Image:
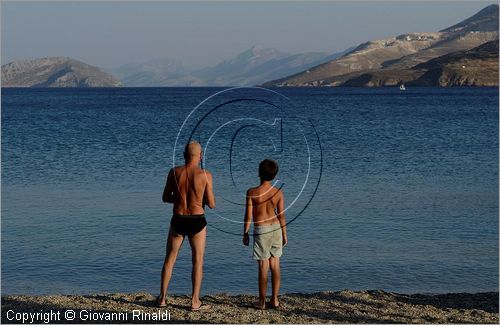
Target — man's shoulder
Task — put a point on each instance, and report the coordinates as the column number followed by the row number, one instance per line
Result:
column 182, row 167
column 176, row 169
column 204, row 172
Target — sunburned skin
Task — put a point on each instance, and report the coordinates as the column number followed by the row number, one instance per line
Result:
column 266, row 203
column 265, row 207
column 190, row 189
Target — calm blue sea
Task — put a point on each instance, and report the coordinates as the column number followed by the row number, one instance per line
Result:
column 386, row 189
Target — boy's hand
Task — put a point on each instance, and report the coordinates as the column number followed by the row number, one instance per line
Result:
column 246, row 239
column 285, row 241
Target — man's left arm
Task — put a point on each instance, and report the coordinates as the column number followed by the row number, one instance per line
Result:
column 208, row 195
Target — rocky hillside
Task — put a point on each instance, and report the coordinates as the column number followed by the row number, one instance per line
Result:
column 485, row 20
column 381, row 59
column 55, row 72
column 475, row 67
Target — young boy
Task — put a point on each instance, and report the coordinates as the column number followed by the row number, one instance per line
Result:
column 265, row 204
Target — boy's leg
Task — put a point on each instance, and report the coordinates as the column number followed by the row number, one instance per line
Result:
column 174, row 243
column 198, row 252
column 274, row 264
column 263, row 269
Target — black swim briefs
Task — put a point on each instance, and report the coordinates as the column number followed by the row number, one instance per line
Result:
column 188, row 225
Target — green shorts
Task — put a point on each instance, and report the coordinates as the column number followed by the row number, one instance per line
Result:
column 267, row 242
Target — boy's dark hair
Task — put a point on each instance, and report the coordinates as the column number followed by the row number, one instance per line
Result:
column 268, row 169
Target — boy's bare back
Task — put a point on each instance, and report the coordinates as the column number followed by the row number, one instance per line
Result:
column 266, row 203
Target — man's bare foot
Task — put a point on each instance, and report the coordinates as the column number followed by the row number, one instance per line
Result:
column 195, row 303
column 160, row 301
column 261, row 304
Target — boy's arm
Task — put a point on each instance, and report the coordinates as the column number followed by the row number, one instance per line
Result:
column 208, row 196
column 168, row 191
column 281, row 217
column 247, row 220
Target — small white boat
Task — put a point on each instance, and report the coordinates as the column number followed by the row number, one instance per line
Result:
column 402, row 87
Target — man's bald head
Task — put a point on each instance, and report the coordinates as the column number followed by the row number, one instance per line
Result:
column 193, row 150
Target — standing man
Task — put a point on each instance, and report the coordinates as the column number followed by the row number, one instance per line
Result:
column 189, row 188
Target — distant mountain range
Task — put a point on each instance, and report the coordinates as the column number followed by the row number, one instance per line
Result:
column 465, row 54
column 55, row 72
column 253, row 66
column 155, row 73
column 410, row 57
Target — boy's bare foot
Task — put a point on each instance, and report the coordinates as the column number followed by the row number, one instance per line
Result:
column 259, row 306
column 199, row 305
column 274, row 306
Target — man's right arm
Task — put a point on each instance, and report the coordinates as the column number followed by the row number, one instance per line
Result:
column 168, row 191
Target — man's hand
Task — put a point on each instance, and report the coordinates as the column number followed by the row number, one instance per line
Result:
column 285, row 240
column 246, row 239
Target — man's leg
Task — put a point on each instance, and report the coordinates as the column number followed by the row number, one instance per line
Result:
column 174, row 243
column 263, row 269
column 197, row 243
column 274, row 264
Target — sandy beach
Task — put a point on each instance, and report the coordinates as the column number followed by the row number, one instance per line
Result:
column 373, row 306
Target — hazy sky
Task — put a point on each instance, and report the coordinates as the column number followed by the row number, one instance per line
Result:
column 109, row 34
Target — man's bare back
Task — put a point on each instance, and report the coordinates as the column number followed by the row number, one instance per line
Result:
column 189, row 188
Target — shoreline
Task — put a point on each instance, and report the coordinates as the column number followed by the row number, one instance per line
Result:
column 346, row 306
